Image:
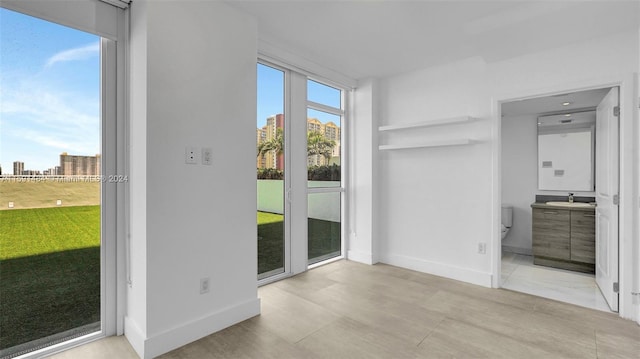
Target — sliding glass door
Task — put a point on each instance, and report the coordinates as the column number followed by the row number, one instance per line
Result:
column 324, row 185
column 59, row 176
column 298, row 159
column 271, row 171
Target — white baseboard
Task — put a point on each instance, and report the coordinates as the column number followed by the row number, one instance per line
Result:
column 361, row 257
column 174, row 338
column 134, row 335
column 439, row 269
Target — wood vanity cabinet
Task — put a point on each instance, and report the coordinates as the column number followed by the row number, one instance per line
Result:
column 564, row 238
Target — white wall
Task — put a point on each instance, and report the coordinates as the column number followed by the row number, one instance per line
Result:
column 519, row 177
column 437, row 204
column 193, row 84
column 363, row 192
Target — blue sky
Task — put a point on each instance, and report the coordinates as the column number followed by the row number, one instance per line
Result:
column 271, row 96
column 49, row 92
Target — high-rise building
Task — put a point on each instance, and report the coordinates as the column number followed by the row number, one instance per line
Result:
column 273, row 159
column 261, row 137
column 329, row 131
column 269, row 132
column 18, row 168
column 79, row 165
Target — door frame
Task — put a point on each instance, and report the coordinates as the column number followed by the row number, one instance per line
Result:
column 628, row 210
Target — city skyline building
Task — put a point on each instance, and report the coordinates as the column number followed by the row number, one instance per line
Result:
column 329, row 131
column 72, row 165
column 18, row 168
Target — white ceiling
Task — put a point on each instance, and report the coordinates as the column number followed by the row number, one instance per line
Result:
column 378, row 38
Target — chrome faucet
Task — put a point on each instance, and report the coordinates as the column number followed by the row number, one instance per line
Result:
column 570, row 197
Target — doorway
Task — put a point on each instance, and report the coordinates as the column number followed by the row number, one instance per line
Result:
column 522, row 185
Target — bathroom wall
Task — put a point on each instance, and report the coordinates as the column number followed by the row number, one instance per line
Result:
column 519, row 178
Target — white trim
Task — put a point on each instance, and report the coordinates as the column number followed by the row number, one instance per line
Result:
column 326, row 261
column 93, row 16
column 439, row 269
column 303, row 66
column 324, row 189
column 273, row 278
column 360, row 257
column 64, row 346
column 324, row 108
column 168, row 340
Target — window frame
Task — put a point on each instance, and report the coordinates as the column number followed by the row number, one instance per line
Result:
column 110, row 23
column 296, row 194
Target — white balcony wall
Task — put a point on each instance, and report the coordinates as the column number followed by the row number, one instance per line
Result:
column 321, row 206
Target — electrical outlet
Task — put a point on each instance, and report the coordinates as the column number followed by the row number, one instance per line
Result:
column 482, row 248
column 207, row 156
column 204, row 285
column 190, row 155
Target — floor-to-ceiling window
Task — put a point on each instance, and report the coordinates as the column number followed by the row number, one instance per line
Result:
column 58, row 177
column 270, row 164
column 316, row 113
column 324, row 155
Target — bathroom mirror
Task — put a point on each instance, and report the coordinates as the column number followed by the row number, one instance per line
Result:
column 566, row 152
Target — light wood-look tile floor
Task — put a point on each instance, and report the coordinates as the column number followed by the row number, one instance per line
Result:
column 351, row 310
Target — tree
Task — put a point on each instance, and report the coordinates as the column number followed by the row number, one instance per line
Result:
column 317, row 144
column 275, row 144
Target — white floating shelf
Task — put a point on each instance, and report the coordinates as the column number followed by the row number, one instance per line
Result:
column 454, row 142
column 439, row 122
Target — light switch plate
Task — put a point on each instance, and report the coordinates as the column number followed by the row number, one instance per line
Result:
column 207, row 156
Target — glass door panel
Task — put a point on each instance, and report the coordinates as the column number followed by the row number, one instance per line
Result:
column 50, row 184
column 324, row 178
column 323, row 149
column 270, row 164
column 324, row 227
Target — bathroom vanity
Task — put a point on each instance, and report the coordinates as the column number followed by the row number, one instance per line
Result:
column 564, row 236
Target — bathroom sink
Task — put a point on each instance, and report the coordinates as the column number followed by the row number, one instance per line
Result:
column 573, row 204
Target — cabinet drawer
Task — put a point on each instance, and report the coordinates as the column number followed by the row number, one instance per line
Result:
column 583, row 237
column 553, row 215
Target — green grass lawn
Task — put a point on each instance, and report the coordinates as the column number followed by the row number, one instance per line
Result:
column 49, row 272
column 324, row 239
column 50, row 266
column 28, row 232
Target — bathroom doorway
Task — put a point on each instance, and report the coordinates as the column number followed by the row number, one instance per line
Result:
column 528, row 128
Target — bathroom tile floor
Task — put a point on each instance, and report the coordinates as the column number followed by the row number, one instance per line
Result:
column 521, row 275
